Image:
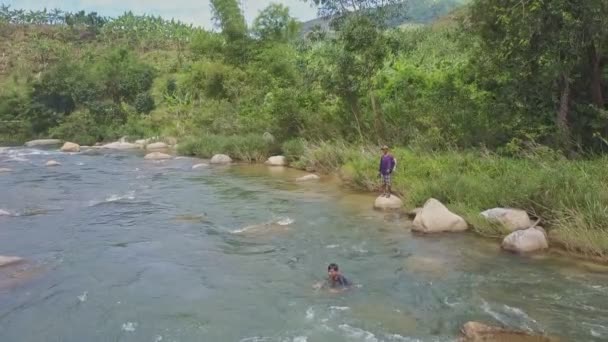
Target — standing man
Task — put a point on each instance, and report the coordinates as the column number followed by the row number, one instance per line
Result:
column 387, row 166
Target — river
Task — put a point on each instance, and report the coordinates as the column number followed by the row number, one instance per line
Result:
column 122, row 249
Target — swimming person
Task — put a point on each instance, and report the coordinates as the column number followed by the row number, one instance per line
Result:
column 335, row 280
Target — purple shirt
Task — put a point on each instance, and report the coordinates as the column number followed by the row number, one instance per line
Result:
column 387, row 164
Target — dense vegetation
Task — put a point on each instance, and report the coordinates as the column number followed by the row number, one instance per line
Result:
column 475, row 93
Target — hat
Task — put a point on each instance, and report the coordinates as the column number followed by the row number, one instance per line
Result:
column 384, row 147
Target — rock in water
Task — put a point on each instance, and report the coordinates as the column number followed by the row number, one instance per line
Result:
column 8, row 260
column 199, row 166
column 120, row 145
column 308, row 178
column 384, row 203
column 436, row 218
column 157, row 146
column 479, row 332
column 157, row 156
column 525, row 241
column 70, row 147
column 511, row 219
column 52, row 163
column 4, row 213
column 4, row 169
column 43, row 142
column 220, row 159
column 276, row 161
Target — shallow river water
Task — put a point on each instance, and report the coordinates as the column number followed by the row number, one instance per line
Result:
column 122, row 249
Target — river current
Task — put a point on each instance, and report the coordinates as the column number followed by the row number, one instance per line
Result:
column 118, row 248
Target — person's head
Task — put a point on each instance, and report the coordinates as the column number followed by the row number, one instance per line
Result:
column 384, row 149
column 333, row 271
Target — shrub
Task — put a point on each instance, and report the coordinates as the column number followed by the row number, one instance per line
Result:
column 248, row 148
column 144, row 103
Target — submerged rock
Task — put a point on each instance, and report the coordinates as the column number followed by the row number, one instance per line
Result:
column 157, row 156
column 70, row 147
column 52, row 163
column 199, row 166
column 436, row 218
column 276, row 161
column 307, row 178
column 220, row 159
column 511, row 219
column 157, row 146
column 478, row 332
column 43, row 142
column 384, row 203
column 9, row 260
column 525, row 241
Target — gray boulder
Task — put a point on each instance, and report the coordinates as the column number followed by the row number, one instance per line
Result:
column 434, row 217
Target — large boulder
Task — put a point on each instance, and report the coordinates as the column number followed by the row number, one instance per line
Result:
column 220, row 159
column 385, row 203
column 52, row 163
column 307, row 178
column 157, row 146
column 526, row 241
column 157, row 156
column 9, row 260
column 121, row 145
column 70, row 147
column 511, row 219
column 479, row 332
column 43, row 143
column 276, row 161
column 434, row 217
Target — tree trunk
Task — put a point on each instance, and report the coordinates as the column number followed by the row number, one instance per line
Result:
column 354, row 106
column 596, row 77
column 564, row 108
column 378, row 119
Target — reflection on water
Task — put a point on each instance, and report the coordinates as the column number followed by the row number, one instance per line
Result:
column 119, row 249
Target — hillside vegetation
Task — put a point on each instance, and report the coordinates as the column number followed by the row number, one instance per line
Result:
column 492, row 104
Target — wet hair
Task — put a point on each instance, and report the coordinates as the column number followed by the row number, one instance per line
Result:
column 333, row 267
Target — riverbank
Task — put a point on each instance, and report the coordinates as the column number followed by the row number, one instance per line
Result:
column 570, row 197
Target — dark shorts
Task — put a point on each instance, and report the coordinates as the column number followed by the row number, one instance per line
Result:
column 386, row 179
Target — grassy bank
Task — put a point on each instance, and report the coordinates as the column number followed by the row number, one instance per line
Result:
column 571, row 197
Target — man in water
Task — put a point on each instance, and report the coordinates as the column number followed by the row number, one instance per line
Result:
column 387, row 166
column 335, row 280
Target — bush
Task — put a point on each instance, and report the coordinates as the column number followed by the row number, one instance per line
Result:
column 293, row 149
column 144, row 103
column 79, row 127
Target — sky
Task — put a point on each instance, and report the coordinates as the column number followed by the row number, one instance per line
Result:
column 197, row 12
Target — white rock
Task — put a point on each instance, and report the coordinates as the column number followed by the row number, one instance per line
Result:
column 5, row 213
column 157, row 146
column 8, row 260
column 392, row 202
column 511, row 219
column 199, row 166
column 277, row 161
column 70, row 147
column 436, row 218
column 220, row 159
column 157, row 156
column 52, row 163
column 121, row 145
column 306, row 178
column 43, row 142
column 4, row 169
column 525, row 241
column 143, row 142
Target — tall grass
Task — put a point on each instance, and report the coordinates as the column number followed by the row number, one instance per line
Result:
column 248, row 148
column 570, row 197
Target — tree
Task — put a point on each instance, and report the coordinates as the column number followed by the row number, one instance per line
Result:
column 229, row 18
column 545, row 48
column 380, row 10
column 275, row 23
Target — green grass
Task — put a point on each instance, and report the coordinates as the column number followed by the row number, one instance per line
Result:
column 248, row 148
column 570, row 197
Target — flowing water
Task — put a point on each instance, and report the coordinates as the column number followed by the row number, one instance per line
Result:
column 122, row 249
